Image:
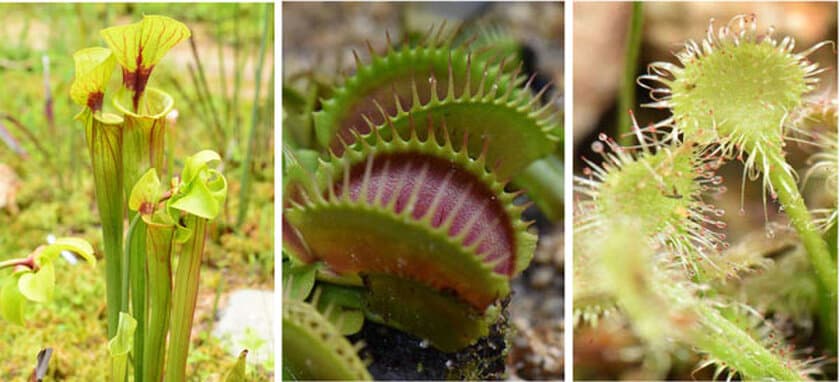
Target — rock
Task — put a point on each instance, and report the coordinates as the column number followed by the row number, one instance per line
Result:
column 9, row 186
column 246, row 323
column 542, row 277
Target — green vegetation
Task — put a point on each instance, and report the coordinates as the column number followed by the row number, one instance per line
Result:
column 62, row 187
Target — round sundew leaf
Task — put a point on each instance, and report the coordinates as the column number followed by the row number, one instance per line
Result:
column 12, row 302
column 38, row 286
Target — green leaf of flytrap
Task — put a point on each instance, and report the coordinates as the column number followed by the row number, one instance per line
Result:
column 440, row 82
column 418, row 209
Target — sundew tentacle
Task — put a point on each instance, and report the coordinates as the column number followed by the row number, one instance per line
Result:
column 663, row 187
column 737, row 90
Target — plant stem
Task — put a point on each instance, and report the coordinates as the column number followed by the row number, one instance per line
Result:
column 184, row 295
column 543, row 180
column 800, row 218
column 136, row 254
column 26, row 262
column 727, row 342
column 159, row 241
column 245, row 192
column 105, row 141
column 627, row 92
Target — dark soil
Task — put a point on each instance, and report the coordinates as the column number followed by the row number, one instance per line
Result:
column 396, row 355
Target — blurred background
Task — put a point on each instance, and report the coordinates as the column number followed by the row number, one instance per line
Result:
column 318, row 40
column 46, row 185
column 611, row 351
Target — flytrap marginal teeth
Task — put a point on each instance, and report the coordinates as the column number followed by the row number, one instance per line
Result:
column 465, row 231
column 471, row 95
column 315, row 349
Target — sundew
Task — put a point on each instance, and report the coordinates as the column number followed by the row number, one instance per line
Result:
column 736, row 92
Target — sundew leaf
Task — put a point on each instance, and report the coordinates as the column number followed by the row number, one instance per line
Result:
column 11, row 302
column 138, row 47
column 94, row 67
column 38, row 286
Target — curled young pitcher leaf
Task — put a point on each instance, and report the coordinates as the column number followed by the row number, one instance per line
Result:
column 314, row 349
column 94, row 67
column 202, row 190
column 138, row 47
column 418, row 209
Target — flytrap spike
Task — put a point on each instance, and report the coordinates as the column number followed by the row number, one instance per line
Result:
column 419, row 186
column 415, row 211
column 315, row 349
column 438, row 81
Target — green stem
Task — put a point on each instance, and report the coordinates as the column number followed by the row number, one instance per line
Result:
column 159, row 242
column 26, row 262
column 543, row 180
column 727, row 342
column 651, row 299
column 105, row 142
column 245, row 192
column 791, row 200
column 185, row 293
column 627, row 92
column 136, row 254
column 143, row 135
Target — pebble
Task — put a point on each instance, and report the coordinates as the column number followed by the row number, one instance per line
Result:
column 542, row 277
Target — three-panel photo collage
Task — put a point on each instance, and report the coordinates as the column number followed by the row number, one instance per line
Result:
column 283, row 191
